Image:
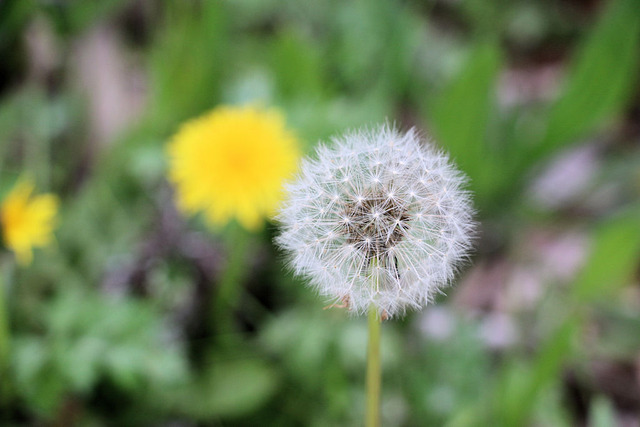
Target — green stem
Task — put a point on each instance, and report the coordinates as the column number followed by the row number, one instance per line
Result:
column 5, row 342
column 373, row 370
column 229, row 289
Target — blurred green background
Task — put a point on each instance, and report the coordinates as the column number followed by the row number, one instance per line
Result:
column 537, row 101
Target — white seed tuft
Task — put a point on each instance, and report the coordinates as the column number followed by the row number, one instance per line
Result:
column 380, row 219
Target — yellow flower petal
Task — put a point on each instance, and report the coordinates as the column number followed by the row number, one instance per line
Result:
column 231, row 163
column 27, row 221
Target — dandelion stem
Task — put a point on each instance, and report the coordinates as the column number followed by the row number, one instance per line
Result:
column 373, row 370
column 5, row 341
column 230, row 284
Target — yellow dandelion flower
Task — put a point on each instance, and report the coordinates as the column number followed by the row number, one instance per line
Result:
column 27, row 221
column 231, row 163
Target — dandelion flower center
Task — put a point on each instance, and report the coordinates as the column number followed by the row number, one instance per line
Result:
column 376, row 223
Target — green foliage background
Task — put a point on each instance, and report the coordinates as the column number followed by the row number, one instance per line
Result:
column 114, row 325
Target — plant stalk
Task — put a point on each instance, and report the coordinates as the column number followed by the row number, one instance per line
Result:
column 5, row 342
column 373, row 383
column 229, row 291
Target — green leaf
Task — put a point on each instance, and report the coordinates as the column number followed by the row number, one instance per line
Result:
column 13, row 16
column 521, row 391
column 602, row 77
column 468, row 416
column 82, row 360
column 614, row 257
column 188, row 62
column 38, row 379
column 613, row 260
column 230, row 388
column 125, row 366
column 460, row 116
column 297, row 66
column 78, row 15
column 602, row 413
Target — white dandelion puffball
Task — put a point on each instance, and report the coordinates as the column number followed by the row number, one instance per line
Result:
column 378, row 219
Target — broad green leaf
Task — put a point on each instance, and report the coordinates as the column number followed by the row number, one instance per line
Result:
column 38, row 380
column 518, row 398
column 230, row 388
column 13, row 16
column 602, row 413
column 188, row 62
column 614, row 257
column 125, row 365
column 467, row 417
column 83, row 358
column 460, row 115
column 602, row 77
column 79, row 15
column 297, row 66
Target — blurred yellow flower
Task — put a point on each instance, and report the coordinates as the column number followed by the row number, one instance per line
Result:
column 27, row 221
column 231, row 163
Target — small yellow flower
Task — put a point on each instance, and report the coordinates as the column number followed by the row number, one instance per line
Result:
column 27, row 221
column 231, row 163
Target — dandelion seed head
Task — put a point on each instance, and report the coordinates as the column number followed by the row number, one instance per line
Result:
column 386, row 211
